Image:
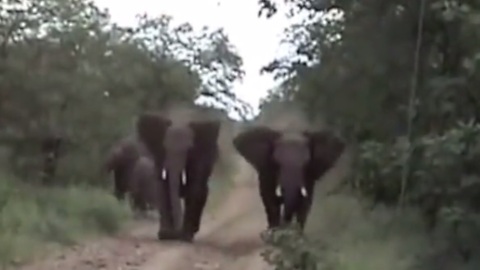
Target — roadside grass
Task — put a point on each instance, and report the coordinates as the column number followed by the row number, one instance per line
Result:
column 354, row 237
column 342, row 233
column 33, row 220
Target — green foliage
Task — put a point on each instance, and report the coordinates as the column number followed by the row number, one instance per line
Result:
column 444, row 180
column 292, row 250
column 344, row 234
column 67, row 71
column 33, row 219
column 441, row 166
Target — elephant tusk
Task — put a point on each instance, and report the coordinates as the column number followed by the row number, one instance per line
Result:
column 184, row 178
column 278, row 191
column 303, row 190
column 164, row 174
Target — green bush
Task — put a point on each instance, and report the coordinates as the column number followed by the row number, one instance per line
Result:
column 441, row 167
column 443, row 175
column 343, row 233
column 32, row 218
column 443, row 182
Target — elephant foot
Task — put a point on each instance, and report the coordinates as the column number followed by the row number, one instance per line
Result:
column 167, row 235
column 173, row 235
column 187, row 237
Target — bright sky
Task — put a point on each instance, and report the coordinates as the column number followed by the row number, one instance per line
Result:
column 257, row 39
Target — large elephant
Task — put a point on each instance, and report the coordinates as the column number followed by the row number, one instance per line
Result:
column 288, row 165
column 134, row 173
column 185, row 154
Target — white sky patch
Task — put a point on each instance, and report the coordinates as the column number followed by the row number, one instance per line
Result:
column 256, row 39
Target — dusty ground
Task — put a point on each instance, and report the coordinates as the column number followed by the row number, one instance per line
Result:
column 229, row 239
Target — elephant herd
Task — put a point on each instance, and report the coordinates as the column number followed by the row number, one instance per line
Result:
column 168, row 163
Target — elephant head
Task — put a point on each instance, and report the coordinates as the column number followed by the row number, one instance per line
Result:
column 288, row 163
column 176, row 149
column 124, row 153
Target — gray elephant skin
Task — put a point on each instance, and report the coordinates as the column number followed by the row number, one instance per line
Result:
column 185, row 154
column 288, row 165
column 134, row 173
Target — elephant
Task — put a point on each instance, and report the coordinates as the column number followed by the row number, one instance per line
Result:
column 143, row 184
column 185, row 154
column 288, row 164
column 134, row 173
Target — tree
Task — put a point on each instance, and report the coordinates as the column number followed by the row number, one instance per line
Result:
column 358, row 67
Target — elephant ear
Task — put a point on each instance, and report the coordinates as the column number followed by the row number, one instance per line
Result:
column 151, row 129
column 326, row 148
column 205, row 135
column 256, row 146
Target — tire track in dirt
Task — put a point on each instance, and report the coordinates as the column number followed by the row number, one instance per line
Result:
column 229, row 239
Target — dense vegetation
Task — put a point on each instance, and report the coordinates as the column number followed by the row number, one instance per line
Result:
column 399, row 80
column 71, row 84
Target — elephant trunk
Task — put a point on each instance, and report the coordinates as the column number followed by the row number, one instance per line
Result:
column 175, row 175
column 292, row 192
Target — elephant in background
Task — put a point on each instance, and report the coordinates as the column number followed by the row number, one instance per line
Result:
column 185, row 153
column 288, row 165
column 143, row 185
column 134, row 173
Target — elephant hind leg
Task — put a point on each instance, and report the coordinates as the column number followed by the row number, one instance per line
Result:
column 120, row 188
column 139, row 203
column 139, row 208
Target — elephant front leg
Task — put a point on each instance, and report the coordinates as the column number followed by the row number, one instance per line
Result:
column 304, row 210
column 195, row 200
column 165, row 231
column 271, row 203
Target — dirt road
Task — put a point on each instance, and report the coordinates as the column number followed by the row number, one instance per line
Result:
column 228, row 240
